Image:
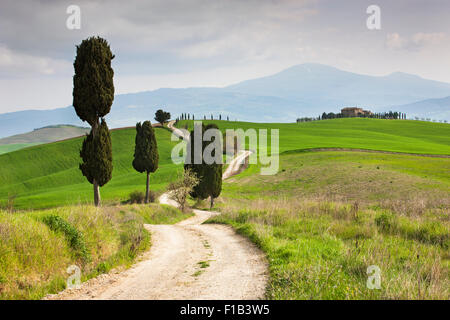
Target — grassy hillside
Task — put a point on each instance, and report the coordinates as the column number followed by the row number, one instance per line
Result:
column 327, row 216
column 15, row 146
column 357, row 133
column 41, row 135
column 37, row 247
column 48, row 175
column 322, row 219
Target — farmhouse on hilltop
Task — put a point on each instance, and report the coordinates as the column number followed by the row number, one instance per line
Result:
column 355, row 112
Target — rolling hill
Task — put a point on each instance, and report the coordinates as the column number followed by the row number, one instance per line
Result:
column 302, row 90
column 407, row 136
column 41, row 135
column 48, row 175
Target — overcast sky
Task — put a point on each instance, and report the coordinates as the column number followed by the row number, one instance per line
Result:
column 184, row 43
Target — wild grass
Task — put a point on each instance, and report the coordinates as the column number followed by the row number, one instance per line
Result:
column 37, row 247
column 321, row 250
column 404, row 184
column 325, row 217
column 158, row 213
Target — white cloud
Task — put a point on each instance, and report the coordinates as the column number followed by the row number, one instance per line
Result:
column 416, row 42
column 16, row 63
column 424, row 39
column 395, row 41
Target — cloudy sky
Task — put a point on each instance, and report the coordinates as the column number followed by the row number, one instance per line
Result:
column 184, row 43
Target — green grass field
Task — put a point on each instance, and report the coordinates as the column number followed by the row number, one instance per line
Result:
column 47, row 175
column 35, row 253
column 357, row 133
column 15, row 146
column 327, row 216
column 322, row 219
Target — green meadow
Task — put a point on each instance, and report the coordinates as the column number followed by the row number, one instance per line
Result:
column 327, row 216
column 322, row 220
column 356, row 133
column 47, row 175
column 36, row 247
column 14, row 146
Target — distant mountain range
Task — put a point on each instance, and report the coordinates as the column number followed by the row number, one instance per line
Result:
column 438, row 109
column 302, row 90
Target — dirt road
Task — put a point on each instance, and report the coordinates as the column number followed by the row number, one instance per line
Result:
column 188, row 260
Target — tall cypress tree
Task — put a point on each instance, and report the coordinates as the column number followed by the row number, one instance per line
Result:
column 213, row 173
column 145, row 152
column 209, row 175
column 96, row 153
column 93, row 95
column 196, row 168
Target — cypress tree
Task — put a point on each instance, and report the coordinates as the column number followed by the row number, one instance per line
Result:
column 209, row 175
column 93, row 95
column 145, row 152
column 96, row 153
column 212, row 174
column 195, row 168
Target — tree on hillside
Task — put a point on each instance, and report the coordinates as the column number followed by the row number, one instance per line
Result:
column 145, row 152
column 180, row 189
column 162, row 116
column 93, row 95
column 195, row 168
column 209, row 175
column 96, row 153
column 213, row 173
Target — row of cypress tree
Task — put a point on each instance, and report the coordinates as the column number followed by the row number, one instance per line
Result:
column 93, row 95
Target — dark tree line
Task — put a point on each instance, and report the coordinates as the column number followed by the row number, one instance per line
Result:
column 188, row 116
column 332, row 115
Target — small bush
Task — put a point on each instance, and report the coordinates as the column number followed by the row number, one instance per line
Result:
column 386, row 222
column 137, row 197
column 73, row 236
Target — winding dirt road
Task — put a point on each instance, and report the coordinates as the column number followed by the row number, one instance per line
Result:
column 188, row 260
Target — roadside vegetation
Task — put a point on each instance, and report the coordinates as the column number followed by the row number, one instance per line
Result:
column 37, row 247
column 327, row 216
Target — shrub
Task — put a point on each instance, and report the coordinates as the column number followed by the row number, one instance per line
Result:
column 74, row 237
column 137, row 197
column 386, row 222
